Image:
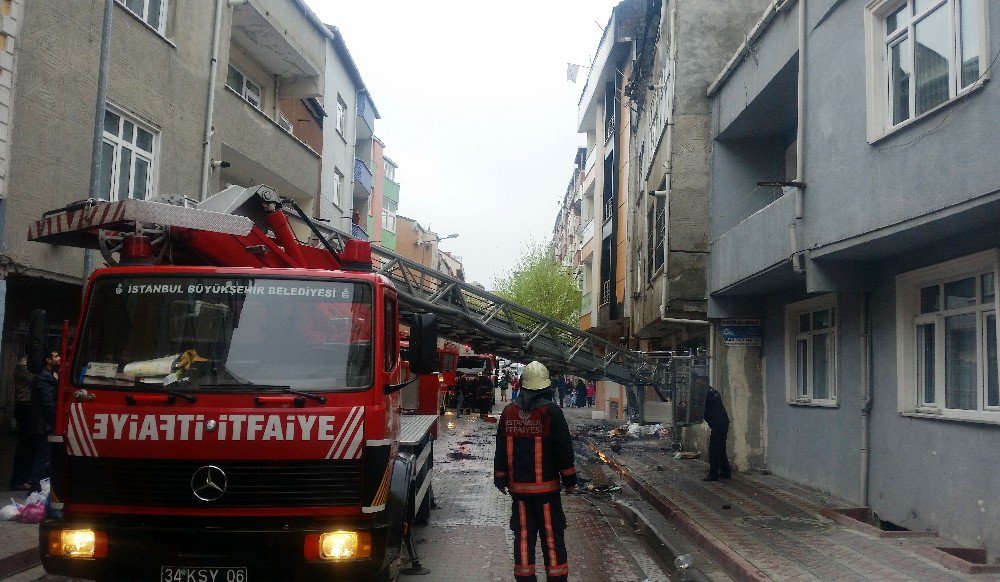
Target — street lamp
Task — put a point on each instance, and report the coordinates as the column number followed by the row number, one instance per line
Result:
column 436, row 239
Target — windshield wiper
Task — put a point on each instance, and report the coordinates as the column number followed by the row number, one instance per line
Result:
column 191, row 398
column 283, row 389
column 309, row 395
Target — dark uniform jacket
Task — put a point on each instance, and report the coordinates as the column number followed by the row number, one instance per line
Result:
column 715, row 412
column 43, row 402
column 534, row 447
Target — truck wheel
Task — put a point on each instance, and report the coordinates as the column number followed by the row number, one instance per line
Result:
column 424, row 511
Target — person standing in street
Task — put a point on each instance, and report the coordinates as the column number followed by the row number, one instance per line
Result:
column 534, row 461
column 591, row 393
column 44, row 388
column 20, row 476
column 504, row 382
column 718, row 421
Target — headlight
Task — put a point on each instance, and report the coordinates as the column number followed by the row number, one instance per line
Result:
column 78, row 543
column 338, row 545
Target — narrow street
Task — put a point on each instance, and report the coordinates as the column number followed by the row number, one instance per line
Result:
column 468, row 537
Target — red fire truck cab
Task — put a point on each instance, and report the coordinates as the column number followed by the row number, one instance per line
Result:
column 234, row 415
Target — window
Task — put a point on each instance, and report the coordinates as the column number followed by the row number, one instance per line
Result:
column 947, row 334
column 126, row 158
column 338, row 188
column 922, row 54
column 390, row 172
column 341, row 115
column 152, row 12
column 389, row 215
column 811, row 351
column 247, row 89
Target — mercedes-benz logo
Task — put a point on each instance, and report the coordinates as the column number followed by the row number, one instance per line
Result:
column 208, row 483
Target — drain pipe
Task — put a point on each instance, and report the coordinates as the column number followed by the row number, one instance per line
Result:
column 213, row 68
column 866, row 396
column 798, row 262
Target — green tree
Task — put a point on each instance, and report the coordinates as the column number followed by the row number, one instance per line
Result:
column 539, row 283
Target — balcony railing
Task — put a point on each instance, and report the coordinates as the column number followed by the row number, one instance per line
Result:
column 358, row 232
column 362, row 177
column 605, row 292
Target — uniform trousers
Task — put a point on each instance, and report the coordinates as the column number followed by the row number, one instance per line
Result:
column 718, row 460
column 532, row 517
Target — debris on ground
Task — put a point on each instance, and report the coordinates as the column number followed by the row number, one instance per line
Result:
column 687, row 455
column 488, row 418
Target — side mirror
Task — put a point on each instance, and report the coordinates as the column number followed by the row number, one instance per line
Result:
column 37, row 331
column 423, row 344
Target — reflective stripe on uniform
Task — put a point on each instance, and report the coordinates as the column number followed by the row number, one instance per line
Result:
column 544, row 487
column 550, row 539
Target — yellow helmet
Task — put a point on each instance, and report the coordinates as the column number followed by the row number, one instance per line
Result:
column 535, row 377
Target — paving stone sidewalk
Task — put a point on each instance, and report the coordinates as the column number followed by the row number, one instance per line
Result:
column 18, row 541
column 760, row 527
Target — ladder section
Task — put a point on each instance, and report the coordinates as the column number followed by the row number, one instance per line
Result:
column 489, row 323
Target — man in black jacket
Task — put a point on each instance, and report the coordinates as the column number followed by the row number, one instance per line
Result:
column 534, row 454
column 718, row 421
column 44, row 389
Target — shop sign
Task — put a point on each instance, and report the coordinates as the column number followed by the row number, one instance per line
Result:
column 740, row 332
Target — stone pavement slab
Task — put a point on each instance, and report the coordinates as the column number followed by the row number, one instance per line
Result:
column 760, row 527
column 18, row 541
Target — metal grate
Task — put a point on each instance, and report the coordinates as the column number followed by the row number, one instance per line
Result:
column 149, row 482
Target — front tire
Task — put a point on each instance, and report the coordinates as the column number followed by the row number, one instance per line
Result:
column 423, row 513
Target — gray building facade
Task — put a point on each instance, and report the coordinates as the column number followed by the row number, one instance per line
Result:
column 168, row 129
column 854, row 212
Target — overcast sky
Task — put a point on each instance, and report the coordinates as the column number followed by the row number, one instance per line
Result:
column 476, row 110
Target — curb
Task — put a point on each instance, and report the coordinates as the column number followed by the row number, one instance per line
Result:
column 729, row 560
column 19, row 562
column 694, row 575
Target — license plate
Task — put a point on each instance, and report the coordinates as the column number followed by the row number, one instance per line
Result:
column 195, row 574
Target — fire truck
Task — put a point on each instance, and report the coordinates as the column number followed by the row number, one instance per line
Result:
column 229, row 405
column 229, row 408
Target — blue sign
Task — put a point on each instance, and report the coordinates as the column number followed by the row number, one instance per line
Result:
column 740, row 332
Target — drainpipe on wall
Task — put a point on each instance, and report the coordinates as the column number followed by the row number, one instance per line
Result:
column 213, row 68
column 866, row 396
column 98, row 143
column 798, row 257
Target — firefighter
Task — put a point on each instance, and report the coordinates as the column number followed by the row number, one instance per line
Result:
column 534, row 454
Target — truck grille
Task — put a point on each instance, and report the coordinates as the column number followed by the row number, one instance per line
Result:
column 167, row 483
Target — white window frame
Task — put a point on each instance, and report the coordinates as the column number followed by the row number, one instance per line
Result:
column 244, row 90
column 160, row 27
column 341, row 119
column 118, row 141
column 878, row 64
column 911, row 401
column 792, row 338
column 389, row 216
column 338, row 189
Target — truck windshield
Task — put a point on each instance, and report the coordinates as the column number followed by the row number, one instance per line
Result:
column 470, row 363
column 227, row 333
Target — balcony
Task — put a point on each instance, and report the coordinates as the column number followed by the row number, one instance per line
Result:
column 261, row 152
column 297, row 58
column 362, row 180
column 366, row 116
column 746, row 252
column 358, row 232
column 587, row 232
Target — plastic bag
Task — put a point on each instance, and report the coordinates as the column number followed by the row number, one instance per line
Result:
column 46, row 487
column 32, row 513
column 10, row 512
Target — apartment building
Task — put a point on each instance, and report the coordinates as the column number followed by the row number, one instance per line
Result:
column 604, row 118
column 384, row 200
column 855, row 211
column 680, row 47
column 420, row 245
column 176, row 124
column 348, row 162
column 567, row 230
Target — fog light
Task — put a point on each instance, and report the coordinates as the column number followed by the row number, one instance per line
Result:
column 338, row 545
column 78, row 543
